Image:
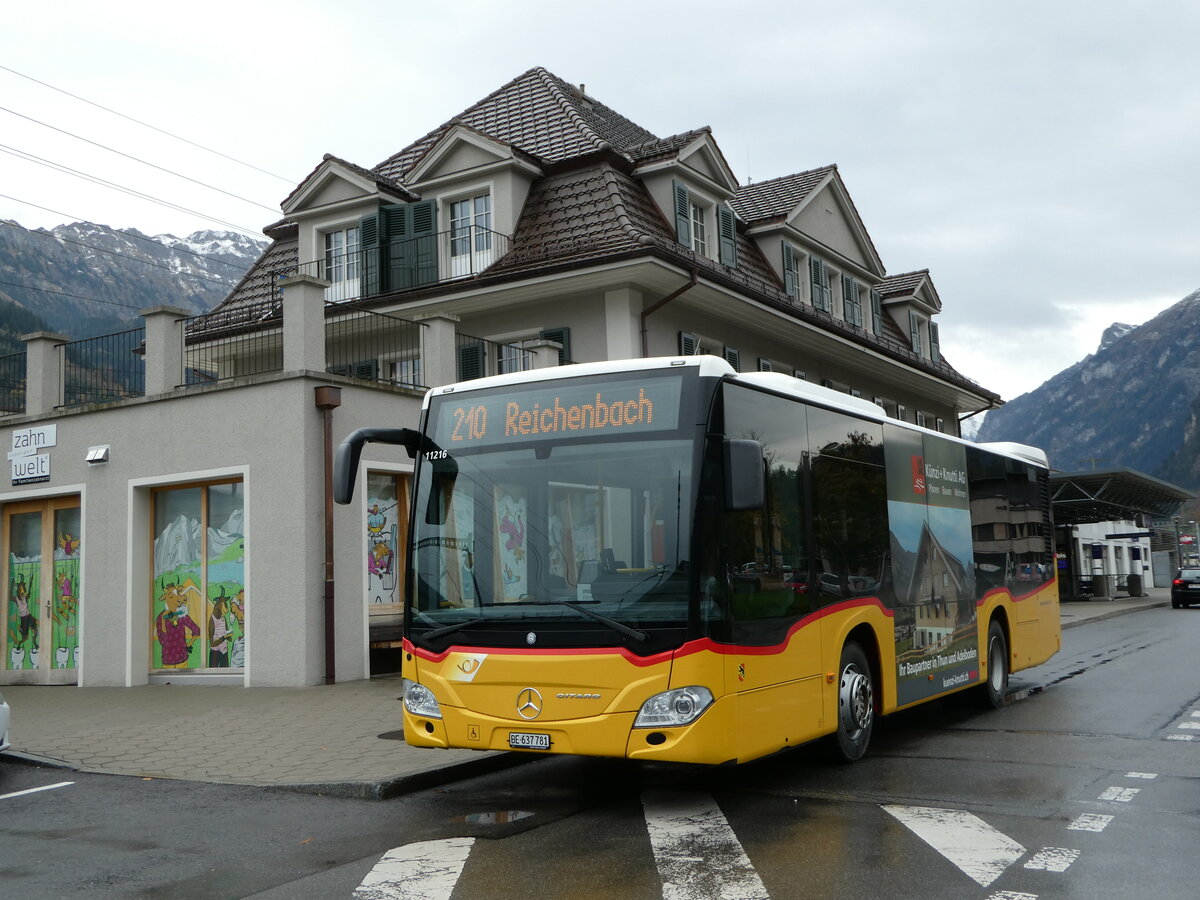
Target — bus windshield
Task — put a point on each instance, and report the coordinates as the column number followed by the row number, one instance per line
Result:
column 552, row 543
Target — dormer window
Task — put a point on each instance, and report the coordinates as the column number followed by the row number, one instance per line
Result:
column 699, row 232
column 470, row 235
column 691, row 225
column 342, row 264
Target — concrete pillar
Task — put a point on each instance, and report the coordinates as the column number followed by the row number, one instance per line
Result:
column 164, row 348
column 545, row 353
column 303, row 322
column 439, row 362
column 622, row 323
column 43, row 372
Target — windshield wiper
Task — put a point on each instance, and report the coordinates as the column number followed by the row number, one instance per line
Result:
column 619, row 627
column 449, row 629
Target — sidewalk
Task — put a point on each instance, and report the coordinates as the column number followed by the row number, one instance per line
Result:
column 340, row 739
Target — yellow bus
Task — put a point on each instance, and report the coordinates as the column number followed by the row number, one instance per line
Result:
column 665, row 559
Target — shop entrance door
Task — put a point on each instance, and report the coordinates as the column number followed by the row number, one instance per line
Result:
column 41, row 592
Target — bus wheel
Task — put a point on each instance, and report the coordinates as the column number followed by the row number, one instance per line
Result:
column 856, row 704
column 994, row 690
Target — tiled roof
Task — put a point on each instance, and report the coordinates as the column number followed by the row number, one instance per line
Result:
column 381, row 181
column 259, row 284
column 903, row 284
column 660, row 148
column 778, row 197
column 538, row 113
column 580, row 215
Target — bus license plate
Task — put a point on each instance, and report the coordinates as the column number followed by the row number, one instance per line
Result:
column 525, row 741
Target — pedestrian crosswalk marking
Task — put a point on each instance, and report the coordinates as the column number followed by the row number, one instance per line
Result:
column 697, row 853
column 973, row 845
column 428, row 870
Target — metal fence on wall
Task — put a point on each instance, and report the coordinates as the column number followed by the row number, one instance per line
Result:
column 12, row 384
column 373, row 346
column 238, row 341
column 104, row 369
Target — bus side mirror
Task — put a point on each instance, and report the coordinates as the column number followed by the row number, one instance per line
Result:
column 745, row 475
column 349, row 451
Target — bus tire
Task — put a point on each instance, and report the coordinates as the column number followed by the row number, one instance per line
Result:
column 856, row 704
column 993, row 691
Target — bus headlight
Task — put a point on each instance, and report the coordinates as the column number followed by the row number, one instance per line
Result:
column 681, row 706
column 419, row 700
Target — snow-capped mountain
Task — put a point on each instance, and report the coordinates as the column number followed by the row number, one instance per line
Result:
column 1133, row 403
column 85, row 279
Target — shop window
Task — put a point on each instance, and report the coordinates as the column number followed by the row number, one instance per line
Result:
column 386, row 533
column 198, row 602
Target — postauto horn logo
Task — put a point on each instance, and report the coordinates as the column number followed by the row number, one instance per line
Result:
column 918, row 473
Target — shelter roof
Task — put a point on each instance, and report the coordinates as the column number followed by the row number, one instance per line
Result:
column 1112, row 494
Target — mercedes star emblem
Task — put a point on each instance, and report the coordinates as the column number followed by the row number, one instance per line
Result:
column 529, row 704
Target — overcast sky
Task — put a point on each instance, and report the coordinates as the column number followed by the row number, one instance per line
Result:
column 1039, row 158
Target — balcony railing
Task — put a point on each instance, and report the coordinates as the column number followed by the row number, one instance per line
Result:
column 403, row 265
column 373, row 346
column 478, row 358
column 12, row 384
column 231, row 343
column 104, row 369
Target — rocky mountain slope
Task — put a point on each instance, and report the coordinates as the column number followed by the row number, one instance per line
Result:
column 1135, row 402
column 84, row 279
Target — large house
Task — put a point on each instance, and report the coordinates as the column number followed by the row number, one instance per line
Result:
column 167, row 517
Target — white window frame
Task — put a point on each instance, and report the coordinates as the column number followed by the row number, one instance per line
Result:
column 698, row 216
column 470, row 243
column 341, row 262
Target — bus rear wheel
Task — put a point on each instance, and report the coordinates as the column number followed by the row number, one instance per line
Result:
column 856, row 704
column 993, row 691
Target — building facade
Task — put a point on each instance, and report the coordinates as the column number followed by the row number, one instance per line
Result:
column 166, row 517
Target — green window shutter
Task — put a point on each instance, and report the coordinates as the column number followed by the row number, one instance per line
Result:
column 935, row 343
column 471, row 361
column 683, row 214
column 764, row 365
column 371, row 242
column 560, row 336
column 789, row 270
column 914, row 331
column 393, row 235
column 727, row 232
column 688, row 344
column 819, row 275
column 410, row 233
column 424, row 236
column 734, row 358
column 850, row 301
column 876, row 312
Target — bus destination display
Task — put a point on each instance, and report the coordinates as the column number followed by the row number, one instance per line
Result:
column 558, row 411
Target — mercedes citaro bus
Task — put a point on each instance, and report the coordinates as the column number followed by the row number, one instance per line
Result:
column 664, row 559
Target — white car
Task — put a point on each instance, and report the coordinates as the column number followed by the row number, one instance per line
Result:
column 3, row 723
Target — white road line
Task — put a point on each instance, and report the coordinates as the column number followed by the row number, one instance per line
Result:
column 1180, row 737
column 963, row 838
column 1195, row 713
column 47, row 787
column 427, row 870
column 1053, row 859
column 1149, row 776
column 697, row 854
column 1090, row 822
column 1120, row 794
column 1189, row 726
column 1011, row 895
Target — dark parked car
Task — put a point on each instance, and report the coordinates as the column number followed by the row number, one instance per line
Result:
column 1185, row 589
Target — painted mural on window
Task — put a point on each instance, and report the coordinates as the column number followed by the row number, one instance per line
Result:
column 383, row 513
column 198, row 592
column 64, row 608
column 24, row 638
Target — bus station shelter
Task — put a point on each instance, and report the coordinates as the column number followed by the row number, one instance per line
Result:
column 1131, row 501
